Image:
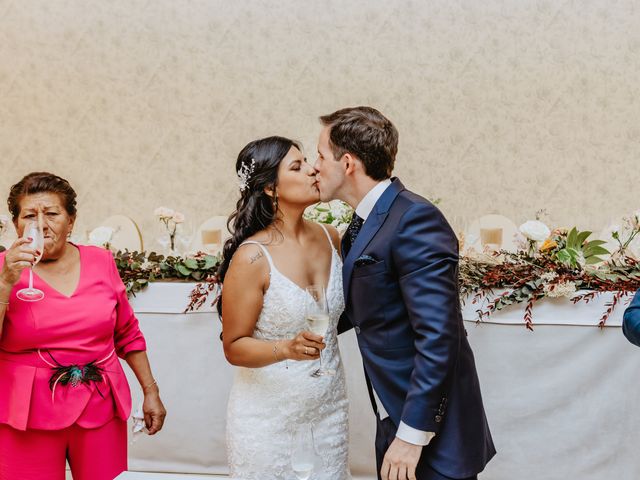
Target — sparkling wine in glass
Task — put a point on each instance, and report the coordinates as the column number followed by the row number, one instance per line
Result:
column 32, row 230
column 317, row 315
column 303, row 455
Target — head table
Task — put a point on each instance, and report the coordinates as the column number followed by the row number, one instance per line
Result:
column 561, row 400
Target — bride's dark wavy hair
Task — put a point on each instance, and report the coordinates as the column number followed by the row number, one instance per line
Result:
column 255, row 210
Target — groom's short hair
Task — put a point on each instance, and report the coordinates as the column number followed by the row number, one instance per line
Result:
column 367, row 134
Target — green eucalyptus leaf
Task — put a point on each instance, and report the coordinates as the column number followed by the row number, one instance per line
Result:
column 182, row 269
column 191, row 263
column 198, row 275
column 209, row 262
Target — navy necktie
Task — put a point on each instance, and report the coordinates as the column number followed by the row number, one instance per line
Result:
column 352, row 232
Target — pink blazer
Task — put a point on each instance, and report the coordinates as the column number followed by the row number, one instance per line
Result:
column 94, row 323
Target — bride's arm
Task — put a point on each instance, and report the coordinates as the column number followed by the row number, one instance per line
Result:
column 242, row 295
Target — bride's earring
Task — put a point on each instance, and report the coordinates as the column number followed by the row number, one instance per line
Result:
column 275, row 202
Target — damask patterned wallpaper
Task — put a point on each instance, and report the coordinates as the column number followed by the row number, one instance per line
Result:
column 503, row 106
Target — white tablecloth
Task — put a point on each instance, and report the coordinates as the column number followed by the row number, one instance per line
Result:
column 194, row 377
column 560, row 400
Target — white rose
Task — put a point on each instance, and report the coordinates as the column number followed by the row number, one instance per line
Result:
column 100, row 236
column 535, row 230
column 177, row 217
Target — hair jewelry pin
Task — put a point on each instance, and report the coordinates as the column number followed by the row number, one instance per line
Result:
column 244, row 174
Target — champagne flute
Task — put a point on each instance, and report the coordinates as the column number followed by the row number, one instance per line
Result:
column 317, row 315
column 303, row 456
column 32, row 230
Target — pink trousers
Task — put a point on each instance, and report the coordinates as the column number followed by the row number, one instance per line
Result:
column 93, row 454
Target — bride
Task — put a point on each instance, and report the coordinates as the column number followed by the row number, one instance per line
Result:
column 276, row 254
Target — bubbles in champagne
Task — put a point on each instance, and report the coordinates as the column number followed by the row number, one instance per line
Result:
column 318, row 323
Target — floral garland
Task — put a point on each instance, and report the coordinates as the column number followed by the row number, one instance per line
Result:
column 138, row 269
column 552, row 264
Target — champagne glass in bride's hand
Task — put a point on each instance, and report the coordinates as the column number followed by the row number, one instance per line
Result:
column 304, row 459
column 32, row 230
column 317, row 314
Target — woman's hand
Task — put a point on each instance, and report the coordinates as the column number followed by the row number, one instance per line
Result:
column 305, row 346
column 153, row 409
column 18, row 257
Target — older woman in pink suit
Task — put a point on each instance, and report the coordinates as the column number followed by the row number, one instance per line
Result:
column 63, row 393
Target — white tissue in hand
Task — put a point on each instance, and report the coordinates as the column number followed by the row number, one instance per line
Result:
column 138, row 426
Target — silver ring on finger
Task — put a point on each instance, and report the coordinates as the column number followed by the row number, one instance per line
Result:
column 306, row 352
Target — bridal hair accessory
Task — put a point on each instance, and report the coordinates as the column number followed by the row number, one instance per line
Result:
column 244, row 174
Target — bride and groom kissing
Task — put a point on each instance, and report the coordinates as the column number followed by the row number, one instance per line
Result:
column 392, row 277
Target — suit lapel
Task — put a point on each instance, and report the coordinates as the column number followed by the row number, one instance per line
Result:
column 369, row 229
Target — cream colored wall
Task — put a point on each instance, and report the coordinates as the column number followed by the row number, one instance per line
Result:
column 502, row 106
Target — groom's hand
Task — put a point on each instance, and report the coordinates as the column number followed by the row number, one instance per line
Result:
column 400, row 461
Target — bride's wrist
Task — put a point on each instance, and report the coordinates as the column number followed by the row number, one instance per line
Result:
column 281, row 350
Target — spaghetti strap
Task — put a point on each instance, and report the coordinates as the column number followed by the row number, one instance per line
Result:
column 328, row 236
column 264, row 249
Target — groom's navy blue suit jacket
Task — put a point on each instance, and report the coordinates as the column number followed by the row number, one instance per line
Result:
column 401, row 290
column 631, row 322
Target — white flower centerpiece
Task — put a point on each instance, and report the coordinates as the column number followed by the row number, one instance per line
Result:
column 534, row 231
column 171, row 219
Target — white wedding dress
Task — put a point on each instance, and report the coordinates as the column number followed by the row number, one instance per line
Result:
column 266, row 404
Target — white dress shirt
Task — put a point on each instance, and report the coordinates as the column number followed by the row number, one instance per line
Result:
column 405, row 432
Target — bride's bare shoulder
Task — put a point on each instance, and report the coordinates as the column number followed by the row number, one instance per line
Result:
column 333, row 233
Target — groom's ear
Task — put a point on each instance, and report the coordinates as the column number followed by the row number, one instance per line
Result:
column 350, row 163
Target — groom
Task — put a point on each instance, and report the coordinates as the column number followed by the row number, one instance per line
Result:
column 401, row 290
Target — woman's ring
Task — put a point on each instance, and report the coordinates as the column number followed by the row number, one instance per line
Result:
column 305, row 351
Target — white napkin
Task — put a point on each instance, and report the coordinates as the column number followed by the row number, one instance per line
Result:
column 138, row 427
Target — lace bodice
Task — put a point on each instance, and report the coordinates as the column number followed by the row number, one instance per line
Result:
column 266, row 403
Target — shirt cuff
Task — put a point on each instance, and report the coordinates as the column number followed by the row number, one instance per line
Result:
column 136, row 345
column 414, row 436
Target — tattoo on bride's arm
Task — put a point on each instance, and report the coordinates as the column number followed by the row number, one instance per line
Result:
column 257, row 256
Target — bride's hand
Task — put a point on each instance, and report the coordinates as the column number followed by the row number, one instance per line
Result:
column 305, row 346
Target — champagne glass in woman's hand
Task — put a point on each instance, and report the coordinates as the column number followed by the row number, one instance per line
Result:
column 317, row 315
column 32, row 231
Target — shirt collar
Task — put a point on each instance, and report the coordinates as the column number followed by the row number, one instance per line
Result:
column 366, row 205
